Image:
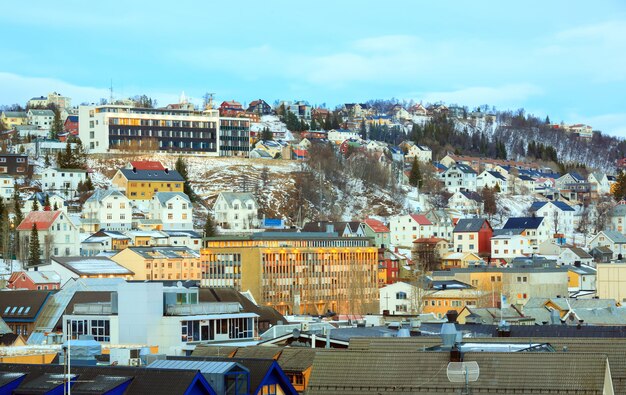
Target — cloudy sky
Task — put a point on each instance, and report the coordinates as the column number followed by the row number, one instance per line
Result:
column 565, row 59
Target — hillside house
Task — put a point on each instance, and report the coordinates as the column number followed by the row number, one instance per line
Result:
column 172, row 209
column 58, row 236
column 559, row 215
column 41, row 118
column 611, row 239
column 459, row 177
column 236, row 210
column 34, row 280
column 143, row 184
column 421, row 152
column 473, row 235
column 404, row 229
column 107, row 209
column 62, row 181
column 601, row 182
column 536, row 229
column 574, row 256
column 492, row 179
column 103, row 241
column 466, row 202
column 377, row 231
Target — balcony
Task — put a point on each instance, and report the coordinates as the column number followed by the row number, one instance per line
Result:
column 203, row 308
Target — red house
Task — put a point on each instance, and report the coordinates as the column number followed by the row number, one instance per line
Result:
column 71, row 125
column 230, row 108
column 473, row 235
column 38, row 280
column 388, row 267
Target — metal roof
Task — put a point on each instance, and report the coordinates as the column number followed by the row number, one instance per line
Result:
column 205, row 367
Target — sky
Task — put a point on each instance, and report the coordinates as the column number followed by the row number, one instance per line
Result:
column 564, row 59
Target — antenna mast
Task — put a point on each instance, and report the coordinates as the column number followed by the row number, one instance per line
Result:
column 111, row 92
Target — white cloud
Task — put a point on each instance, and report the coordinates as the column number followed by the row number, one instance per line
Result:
column 512, row 95
column 19, row 89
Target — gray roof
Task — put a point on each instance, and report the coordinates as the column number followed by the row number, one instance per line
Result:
column 205, row 367
column 14, row 114
column 464, row 168
column 615, row 237
column 152, row 175
column 93, row 265
column 45, row 113
column 230, row 197
column 469, row 225
column 101, row 194
column 165, row 252
column 580, row 252
column 165, row 197
column 619, row 210
column 378, row 372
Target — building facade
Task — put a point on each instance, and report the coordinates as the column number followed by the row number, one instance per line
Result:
column 296, row 273
column 234, row 136
column 113, row 127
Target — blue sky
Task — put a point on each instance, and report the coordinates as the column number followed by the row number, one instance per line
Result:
column 565, row 59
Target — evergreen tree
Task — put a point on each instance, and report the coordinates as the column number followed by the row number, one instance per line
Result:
column 415, row 177
column 79, row 156
column 35, row 206
column 5, row 234
column 210, row 229
column 46, row 203
column 47, row 162
column 181, row 168
column 34, row 249
column 57, row 125
column 55, row 207
column 363, row 131
column 313, row 124
column 17, row 208
column 266, row 134
column 547, row 120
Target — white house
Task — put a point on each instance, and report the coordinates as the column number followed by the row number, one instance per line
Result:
column 559, row 215
column 569, row 178
column 466, row 202
column 459, row 177
column 611, row 239
column 618, row 218
column 601, row 181
column 375, row 146
column 41, row 118
column 536, row 229
column 184, row 238
column 404, row 229
column 57, row 234
column 107, row 209
column 398, row 298
column 338, row 136
column 62, row 181
column 442, row 225
column 7, row 186
column 236, row 210
column 574, row 256
column 509, row 246
column 490, row 179
column 173, row 209
column 88, row 266
column 421, row 152
column 54, row 200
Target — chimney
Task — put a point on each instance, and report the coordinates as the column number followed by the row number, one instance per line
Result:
column 455, row 354
column 577, row 263
column 167, row 171
column 134, row 170
column 452, row 315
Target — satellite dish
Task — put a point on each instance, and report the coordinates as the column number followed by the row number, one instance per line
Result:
column 463, row 372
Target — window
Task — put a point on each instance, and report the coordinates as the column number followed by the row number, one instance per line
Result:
column 401, row 308
column 170, row 216
column 170, row 206
column 401, row 295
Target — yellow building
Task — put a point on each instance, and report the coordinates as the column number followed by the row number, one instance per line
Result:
column 460, row 259
column 143, row 184
column 296, row 273
column 611, row 281
column 442, row 301
column 161, row 263
column 518, row 284
column 13, row 118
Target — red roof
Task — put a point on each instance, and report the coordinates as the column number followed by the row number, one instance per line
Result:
column 43, row 219
column 147, row 165
column 421, row 219
column 376, row 225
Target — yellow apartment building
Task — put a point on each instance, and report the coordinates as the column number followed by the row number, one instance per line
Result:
column 14, row 118
column 143, row 184
column 296, row 273
column 161, row 263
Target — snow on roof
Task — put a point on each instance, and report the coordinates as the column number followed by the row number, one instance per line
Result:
column 92, row 265
column 43, row 219
column 376, row 225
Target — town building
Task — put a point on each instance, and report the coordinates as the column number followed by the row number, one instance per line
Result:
column 234, row 137
column 611, row 281
column 15, row 165
column 559, row 215
column 106, row 209
column 536, row 229
column 492, row 180
column 611, row 239
column 236, row 210
column 160, row 262
column 172, row 210
column 404, row 229
column 422, row 153
column 296, row 273
column 7, row 186
column 71, row 125
column 21, row 309
column 378, row 231
column 143, row 184
column 118, row 127
column 58, row 236
column 508, row 246
column 104, row 241
column 62, row 181
column 11, row 119
column 34, row 280
column 40, row 118
column 472, row 235
column 74, row 267
column 459, row 177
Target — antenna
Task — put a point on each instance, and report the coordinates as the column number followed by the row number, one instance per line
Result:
column 111, row 92
column 463, row 372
